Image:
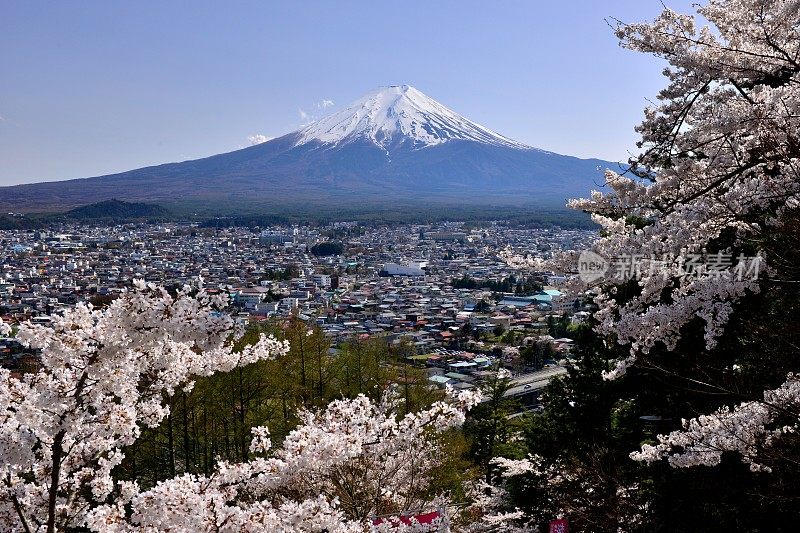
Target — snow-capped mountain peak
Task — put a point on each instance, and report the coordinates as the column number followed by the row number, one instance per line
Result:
column 399, row 115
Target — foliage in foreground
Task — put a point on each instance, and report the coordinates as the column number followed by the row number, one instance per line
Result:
column 694, row 426
column 106, row 375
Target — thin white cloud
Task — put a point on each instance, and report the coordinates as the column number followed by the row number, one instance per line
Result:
column 317, row 111
column 258, row 139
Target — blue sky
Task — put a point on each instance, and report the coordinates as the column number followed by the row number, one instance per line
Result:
column 94, row 87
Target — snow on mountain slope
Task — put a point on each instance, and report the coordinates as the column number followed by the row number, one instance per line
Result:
column 399, row 114
column 393, row 145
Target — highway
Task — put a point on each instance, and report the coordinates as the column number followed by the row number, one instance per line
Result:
column 535, row 381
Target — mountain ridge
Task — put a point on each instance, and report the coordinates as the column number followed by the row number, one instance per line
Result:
column 395, row 144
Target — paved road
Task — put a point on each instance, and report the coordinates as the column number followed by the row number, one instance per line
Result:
column 534, row 381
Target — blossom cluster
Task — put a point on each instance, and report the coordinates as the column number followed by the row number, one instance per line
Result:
column 105, row 375
column 718, row 171
column 744, row 429
column 354, row 460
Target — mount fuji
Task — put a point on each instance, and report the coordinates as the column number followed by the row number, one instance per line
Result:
column 399, row 116
column 393, row 145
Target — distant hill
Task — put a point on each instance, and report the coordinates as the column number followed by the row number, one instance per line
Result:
column 393, row 146
column 117, row 209
column 17, row 222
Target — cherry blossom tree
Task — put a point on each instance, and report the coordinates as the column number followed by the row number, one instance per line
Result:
column 103, row 375
column 682, row 229
column 718, row 172
column 339, row 468
column 106, row 374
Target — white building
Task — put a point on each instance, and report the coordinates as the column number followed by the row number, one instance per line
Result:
column 321, row 280
column 412, row 268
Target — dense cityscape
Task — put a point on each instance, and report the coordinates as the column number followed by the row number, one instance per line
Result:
column 441, row 288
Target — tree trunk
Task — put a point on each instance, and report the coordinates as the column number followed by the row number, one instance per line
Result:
column 186, row 452
column 171, row 444
column 55, row 474
column 242, row 433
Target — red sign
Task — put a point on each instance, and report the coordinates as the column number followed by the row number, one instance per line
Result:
column 427, row 518
column 559, row 526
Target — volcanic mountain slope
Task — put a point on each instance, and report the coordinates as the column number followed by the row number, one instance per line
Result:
column 394, row 144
